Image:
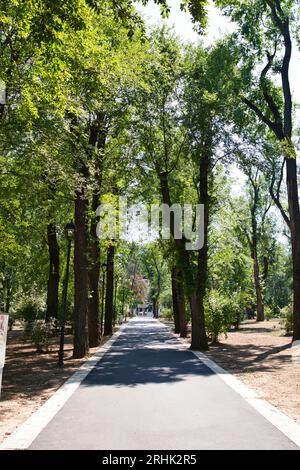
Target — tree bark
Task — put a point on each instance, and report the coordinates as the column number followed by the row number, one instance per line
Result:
column 53, row 279
column 265, row 268
column 115, row 315
column 283, row 130
column 109, row 301
column 175, row 301
column 293, row 203
column 199, row 338
column 260, row 315
column 98, row 134
column 182, row 259
column 8, row 282
column 94, row 275
column 155, row 307
column 81, row 271
column 178, row 282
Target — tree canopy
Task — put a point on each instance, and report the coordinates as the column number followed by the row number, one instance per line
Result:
column 100, row 107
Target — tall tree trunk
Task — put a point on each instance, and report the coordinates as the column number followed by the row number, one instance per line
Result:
column 283, row 130
column 81, row 273
column 182, row 258
column 155, row 307
column 265, row 268
column 102, row 301
column 175, row 300
column 8, row 285
column 178, row 283
column 115, row 302
column 109, row 302
column 293, row 204
column 94, row 274
column 260, row 315
column 181, row 305
column 98, row 135
column 199, row 338
column 53, row 279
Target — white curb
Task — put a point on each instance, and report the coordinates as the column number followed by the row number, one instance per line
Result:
column 282, row 422
column 23, row 437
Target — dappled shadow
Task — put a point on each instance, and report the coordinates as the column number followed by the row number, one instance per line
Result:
column 28, row 374
column 266, row 327
column 147, row 353
column 249, row 357
column 255, row 328
column 252, row 329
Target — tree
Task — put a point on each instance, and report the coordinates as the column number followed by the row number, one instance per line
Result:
column 97, row 78
column 157, row 137
column 265, row 30
column 254, row 229
column 157, row 272
column 203, row 120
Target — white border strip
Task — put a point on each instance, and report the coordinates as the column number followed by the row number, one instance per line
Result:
column 282, row 422
column 23, row 437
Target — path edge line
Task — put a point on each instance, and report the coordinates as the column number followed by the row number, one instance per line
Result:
column 28, row 431
column 285, row 424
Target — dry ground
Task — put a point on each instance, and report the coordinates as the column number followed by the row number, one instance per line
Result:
column 259, row 354
column 30, row 378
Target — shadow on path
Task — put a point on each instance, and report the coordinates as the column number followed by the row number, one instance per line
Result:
column 138, row 358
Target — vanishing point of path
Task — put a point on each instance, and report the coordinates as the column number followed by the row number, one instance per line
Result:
column 148, row 392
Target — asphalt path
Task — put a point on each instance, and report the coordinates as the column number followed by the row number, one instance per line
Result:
column 149, row 392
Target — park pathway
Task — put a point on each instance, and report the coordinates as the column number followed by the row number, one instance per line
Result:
column 149, row 392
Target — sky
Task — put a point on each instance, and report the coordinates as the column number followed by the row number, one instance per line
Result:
column 218, row 25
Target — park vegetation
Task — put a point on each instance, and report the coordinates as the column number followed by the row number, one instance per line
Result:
column 95, row 106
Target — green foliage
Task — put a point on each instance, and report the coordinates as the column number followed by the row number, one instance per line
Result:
column 41, row 333
column 237, row 305
column 223, row 311
column 72, row 66
column 197, row 9
column 167, row 313
column 30, row 307
column 286, row 314
column 217, row 315
column 268, row 313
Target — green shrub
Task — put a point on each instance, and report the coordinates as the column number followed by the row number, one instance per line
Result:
column 236, row 305
column 286, row 314
column 30, row 308
column 27, row 331
column 217, row 315
column 41, row 333
column 167, row 313
column 268, row 312
column 224, row 311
